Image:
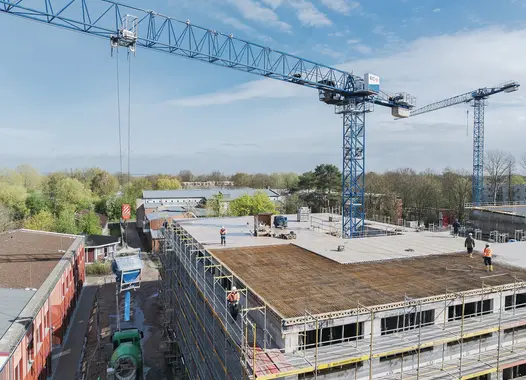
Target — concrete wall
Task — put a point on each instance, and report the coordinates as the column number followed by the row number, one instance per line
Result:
column 489, row 221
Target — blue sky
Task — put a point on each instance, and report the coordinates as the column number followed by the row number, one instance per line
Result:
column 60, row 106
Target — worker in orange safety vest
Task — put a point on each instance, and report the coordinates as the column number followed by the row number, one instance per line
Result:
column 233, row 302
column 487, row 258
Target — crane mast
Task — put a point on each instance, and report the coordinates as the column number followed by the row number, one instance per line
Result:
column 125, row 26
column 477, row 98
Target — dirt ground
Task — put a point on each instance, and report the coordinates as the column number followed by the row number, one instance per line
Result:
column 145, row 315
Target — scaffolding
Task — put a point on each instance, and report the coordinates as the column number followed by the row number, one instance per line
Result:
column 212, row 345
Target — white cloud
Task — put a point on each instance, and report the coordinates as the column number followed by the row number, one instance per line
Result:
column 308, row 14
column 258, row 89
column 326, row 50
column 252, row 10
column 352, row 41
column 431, row 68
column 341, row 6
column 273, row 3
column 363, row 49
column 436, row 10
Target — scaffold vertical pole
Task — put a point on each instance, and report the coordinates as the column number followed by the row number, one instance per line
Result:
column 461, row 336
column 371, row 347
column 419, row 342
column 254, row 333
column 499, row 336
column 316, row 353
column 444, row 328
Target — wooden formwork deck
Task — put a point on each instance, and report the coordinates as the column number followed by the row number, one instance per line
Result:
column 292, row 279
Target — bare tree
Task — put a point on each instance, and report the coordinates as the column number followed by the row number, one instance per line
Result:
column 523, row 163
column 497, row 165
column 456, row 187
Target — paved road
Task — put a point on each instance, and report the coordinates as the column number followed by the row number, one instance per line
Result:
column 132, row 236
column 69, row 359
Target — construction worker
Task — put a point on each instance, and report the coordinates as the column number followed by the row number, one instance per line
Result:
column 456, row 227
column 469, row 243
column 487, row 258
column 233, row 302
column 222, row 232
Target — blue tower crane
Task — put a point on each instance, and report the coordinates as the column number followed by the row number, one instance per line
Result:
column 478, row 97
column 126, row 26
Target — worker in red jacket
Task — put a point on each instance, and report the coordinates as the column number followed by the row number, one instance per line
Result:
column 222, row 233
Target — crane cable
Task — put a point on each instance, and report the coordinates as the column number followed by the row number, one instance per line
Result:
column 129, row 114
column 119, row 117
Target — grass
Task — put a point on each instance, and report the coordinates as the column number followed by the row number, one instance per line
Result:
column 98, row 269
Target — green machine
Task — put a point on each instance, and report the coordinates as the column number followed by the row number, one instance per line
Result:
column 126, row 362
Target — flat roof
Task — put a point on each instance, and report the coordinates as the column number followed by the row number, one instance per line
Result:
column 28, row 257
column 409, row 244
column 35, row 260
column 292, row 279
column 13, row 302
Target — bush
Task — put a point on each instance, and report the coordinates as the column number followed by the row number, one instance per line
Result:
column 98, row 269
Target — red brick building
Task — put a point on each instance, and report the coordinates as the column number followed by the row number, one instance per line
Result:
column 41, row 276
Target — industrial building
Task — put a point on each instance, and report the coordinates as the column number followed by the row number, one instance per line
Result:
column 517, row 193
column 405, row 305
column 41, row 276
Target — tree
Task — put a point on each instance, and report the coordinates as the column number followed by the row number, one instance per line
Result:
column 241, row 179
column 14, row 197
column 216, row 204
column 456, row 188
column 523, row 163
column 247, row 205
column 497, row 164
column 30, row 176
column 277, row 181
column 167, row 184
column 104, row 184
column 89, row 224
column 110, row 206
column 6, row 219
column 43, row 221
column 66, row 222
column 290, row 180
column 134, row 189
column 427, row 192
column 70, row 192
column 241, row 206
column 403, row 183
column 262, row 203
column 327, row 178
column 260, row 181
column 37, row 201
column 292, row 203
column 11, row 177
column 307, row 181
column 216, row 176
column 185, row 176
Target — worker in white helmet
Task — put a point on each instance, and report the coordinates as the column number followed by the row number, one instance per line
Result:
column 233, row 302
column 469, row 243
column 222, row 233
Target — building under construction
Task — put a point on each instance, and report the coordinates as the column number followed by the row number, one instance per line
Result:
column 408, row 305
